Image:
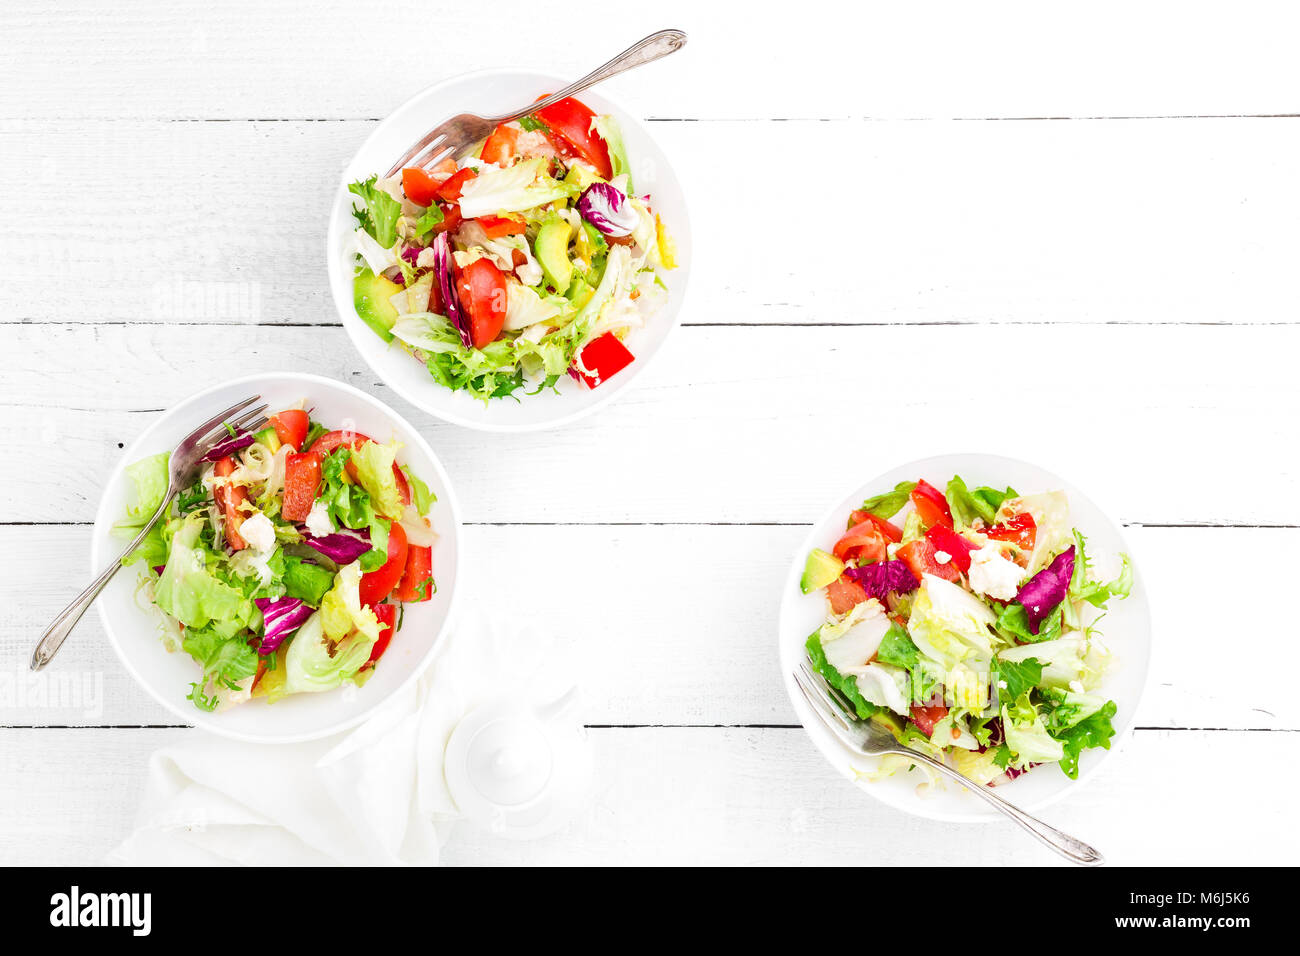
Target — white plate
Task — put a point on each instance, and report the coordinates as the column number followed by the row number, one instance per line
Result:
column 1126, row 630
column 489, row 93
column 133, row 629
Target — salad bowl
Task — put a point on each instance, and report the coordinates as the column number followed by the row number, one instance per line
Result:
column 488, row 93
column 1126, row 629
column 133, row 625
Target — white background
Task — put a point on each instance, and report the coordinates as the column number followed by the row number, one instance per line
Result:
column 1065, row 237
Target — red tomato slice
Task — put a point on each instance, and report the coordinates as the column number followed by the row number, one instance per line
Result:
column 889, row 530
column 603, row 356
column 419, row 569
column 862, row 543
column 1019, row 529
column 919, row 556
column 387, row 614
column 420, row 187
column 496, row 226
column 301, row 479
column 482, row 288
column 451, row 218
column 379, row 583
column 951, row 543
column 930, row 504
column 291, row 426
column 844, row 594
column 570, row 120
column 499, row 148
column 322, row 446
column 926, row 717
column 229, row 498
column 450, row 190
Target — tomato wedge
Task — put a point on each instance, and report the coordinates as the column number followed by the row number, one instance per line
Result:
column 888, row 529
column 420, row 187
column 379, row 583
column 322, row 446
column 952, row 544
column 571, row 120
column 229, row 498
column 1019, row 529
column 482, row 288
column 499, row 148
column 845, row 594
column 419, row 570
column 926, row 717
column 450, row 190
column 603, row 357
column 930, row 504
column 919, row 556
column 387, row 614
column 862, row 543
column 494, row 227
column 291, row 426
column 301, row 479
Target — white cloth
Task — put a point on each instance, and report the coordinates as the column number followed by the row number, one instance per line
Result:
column 374, row 795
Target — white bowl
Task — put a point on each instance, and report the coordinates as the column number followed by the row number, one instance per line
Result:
column 488, row 93
column 1126, row 630
column 133, row 629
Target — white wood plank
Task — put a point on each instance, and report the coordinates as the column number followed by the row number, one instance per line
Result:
column 743, row 796
column 1123, row 221
column 333, row 59
column 674, row 629
column 1160, row 424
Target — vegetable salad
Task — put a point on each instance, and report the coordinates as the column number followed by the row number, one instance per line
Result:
column 284, row 568
column 529, row 259
column 969, row 628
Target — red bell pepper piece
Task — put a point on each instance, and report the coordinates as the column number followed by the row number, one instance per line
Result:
column 387, row 614
column 449, row 191
column 919, row 556
column 930, row 504
column 951, row 543
column 603, row 357
column 301, row 479
column 417, row 580
column 229, row 498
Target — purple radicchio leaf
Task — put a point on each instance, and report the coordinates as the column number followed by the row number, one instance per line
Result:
column 280, row 617
column 881, row 578
column 608, row 210
column 1046, row 589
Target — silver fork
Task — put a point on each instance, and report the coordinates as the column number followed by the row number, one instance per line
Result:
column 183, row 467
column 870, row 740
column 451, row 136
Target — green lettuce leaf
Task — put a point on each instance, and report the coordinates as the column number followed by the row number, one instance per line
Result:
column 1093, row 731
column 891, row 502
column 379, row 217
column 1026, row 736
column 150, row 478
column 847, row 685
column 374, row 463
column 313, row 663
column 306, row 581
column 191, row 593
column 968, row 505
column 608, row 129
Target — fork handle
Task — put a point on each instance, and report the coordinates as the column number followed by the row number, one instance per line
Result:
column 62, row 625
column 1072, row 849
column 653, row 47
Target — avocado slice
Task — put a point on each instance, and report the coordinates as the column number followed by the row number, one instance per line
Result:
column 580, row 292
column 370, row 296
column 269, row 438
column 580, row 176
column 552, row 248
column 820, row 570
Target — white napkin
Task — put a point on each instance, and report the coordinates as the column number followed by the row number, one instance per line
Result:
column 372, row 796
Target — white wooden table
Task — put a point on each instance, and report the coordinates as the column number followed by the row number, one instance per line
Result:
column 1100, row 212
